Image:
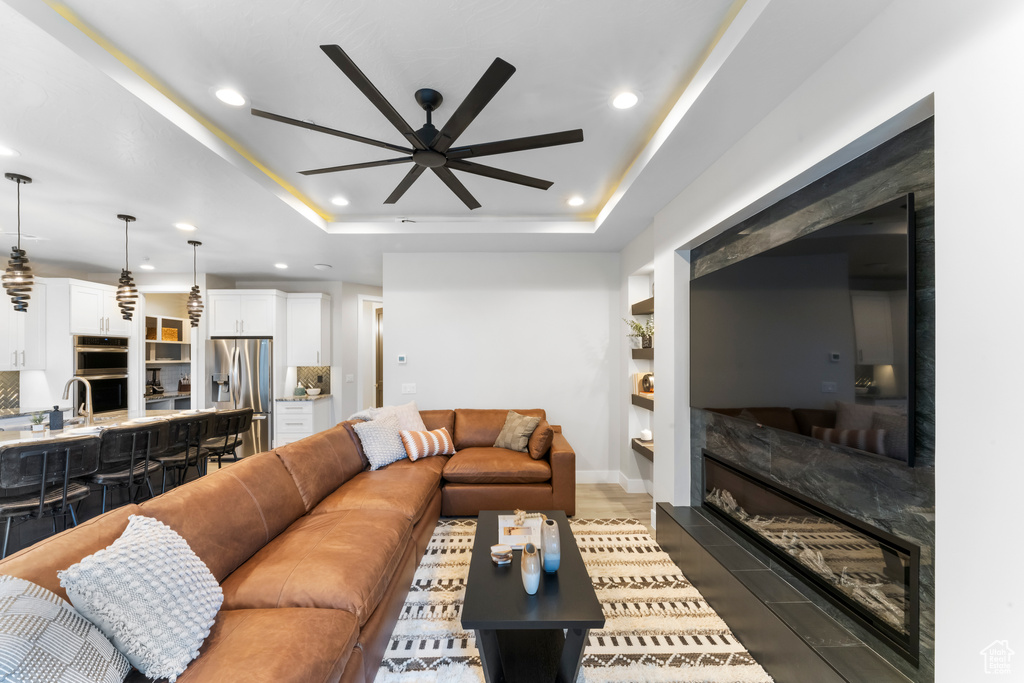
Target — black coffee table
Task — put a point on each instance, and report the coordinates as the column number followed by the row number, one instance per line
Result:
column 525, row 637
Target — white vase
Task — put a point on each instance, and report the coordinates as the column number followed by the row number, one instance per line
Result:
column 551, row 545
column 531, row 568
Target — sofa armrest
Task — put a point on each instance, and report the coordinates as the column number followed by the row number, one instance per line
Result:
column 563, row 473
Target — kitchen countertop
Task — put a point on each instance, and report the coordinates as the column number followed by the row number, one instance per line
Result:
column 22, row 412
column 106, row 420
column 168, row 394
column 303, row 398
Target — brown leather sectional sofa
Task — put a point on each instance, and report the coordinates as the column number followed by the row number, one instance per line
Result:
column 315, row 554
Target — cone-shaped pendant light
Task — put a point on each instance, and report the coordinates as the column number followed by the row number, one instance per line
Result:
column 17, row 279
column 195, row 302
column 127, row 294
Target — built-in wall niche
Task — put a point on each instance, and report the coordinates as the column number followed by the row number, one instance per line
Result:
column 168, row 351
column 640, row 291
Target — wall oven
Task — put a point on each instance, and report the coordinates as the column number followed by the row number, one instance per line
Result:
column 104, row 362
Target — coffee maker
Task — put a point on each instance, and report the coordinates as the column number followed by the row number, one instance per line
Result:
column 153, row 386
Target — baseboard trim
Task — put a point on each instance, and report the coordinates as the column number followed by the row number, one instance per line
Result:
column 595, row 477
column 632, row 485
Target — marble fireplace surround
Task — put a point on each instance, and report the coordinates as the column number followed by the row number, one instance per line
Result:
column 897, row 499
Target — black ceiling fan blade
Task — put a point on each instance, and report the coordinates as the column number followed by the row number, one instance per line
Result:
column 352, row 167
column 499, row 174
column 359, row 79
column 329, row 131
column 456, row 186
column 486, row 88
column 565, row 137
column 410, row 178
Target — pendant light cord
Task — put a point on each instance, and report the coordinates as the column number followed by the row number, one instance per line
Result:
column 126, row 244
column 18, row 183
column 195, row 277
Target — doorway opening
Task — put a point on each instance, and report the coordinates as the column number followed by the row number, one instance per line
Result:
column 370, row 378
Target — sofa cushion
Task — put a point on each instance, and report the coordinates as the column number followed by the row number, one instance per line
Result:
column 434, row 464
column 495, row 466
column 321, row 463
column 229, row 514
column 436, row 419
column 475, row 428
column 339, row 560
column 275, row 646
column 540, row 440
column 40, row 563
column 406, row 490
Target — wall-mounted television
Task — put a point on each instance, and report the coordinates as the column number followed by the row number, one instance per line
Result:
column 815, row 336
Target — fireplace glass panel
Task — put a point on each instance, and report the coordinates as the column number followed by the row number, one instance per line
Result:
column 874, row 578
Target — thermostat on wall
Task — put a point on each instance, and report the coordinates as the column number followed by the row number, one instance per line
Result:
column 401, row 359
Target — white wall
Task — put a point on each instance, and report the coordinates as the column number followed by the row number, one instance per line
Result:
column 965, row 58
column 510, row 331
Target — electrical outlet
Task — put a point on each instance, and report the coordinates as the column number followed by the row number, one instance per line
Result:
column 829, row 387
column 408, row 388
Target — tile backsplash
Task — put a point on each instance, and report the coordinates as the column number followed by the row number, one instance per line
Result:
column 9, row 390
column 315, row 376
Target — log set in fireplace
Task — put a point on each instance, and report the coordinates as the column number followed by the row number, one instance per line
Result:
column 868, row 573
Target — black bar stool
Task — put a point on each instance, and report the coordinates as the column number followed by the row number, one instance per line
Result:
column 226, row 435
column 185, row 434
column 127, row 457
column 37, row 479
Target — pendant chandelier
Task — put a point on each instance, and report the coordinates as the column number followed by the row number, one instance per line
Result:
column 17, row 279
column 195, row 302
column 126, row 291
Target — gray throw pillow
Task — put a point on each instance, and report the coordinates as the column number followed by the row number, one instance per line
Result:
column 515, row 435
column 895, row 427
column 150, row 594
column 381, row 440
column 43, row 639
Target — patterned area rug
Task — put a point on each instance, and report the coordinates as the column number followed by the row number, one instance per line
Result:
column 657, row 626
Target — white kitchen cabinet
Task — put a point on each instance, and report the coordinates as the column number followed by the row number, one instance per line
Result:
column 309, row 329
column 872, row 323
column 23, row 335
column 94, row 310
column 244, row 313
column 294, row 420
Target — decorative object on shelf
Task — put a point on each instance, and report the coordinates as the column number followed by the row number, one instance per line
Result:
column 501, row 554
column 127, row 293
column 37, row 421
column 169, row 334
column 646, row 435
column 647, row 383
column 645, row 331
column 56, row 418
column 313, row 392
column 531, row 568
column 195, row 302
column 17, row 279
column 299, row 390
column 151, row 333
column 551, row 545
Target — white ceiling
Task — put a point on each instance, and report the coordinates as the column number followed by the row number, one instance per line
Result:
column 112, row 110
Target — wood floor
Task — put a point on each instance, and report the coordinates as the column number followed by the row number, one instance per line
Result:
column 605, row 501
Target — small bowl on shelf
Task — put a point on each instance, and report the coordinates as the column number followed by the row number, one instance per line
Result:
column 312, row 392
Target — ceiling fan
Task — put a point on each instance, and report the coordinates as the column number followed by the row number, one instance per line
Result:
column 432, row 148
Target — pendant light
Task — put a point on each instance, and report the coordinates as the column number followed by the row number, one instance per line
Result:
column 17, row 279
column 126, row 291
column 195, row 302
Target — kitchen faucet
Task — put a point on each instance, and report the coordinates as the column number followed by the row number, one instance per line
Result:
column 86, row 409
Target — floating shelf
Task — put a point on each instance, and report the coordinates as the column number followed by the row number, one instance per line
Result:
column 644, row 401
column 167, row 362
column 645, row 307
column 643, row 354
column 644, row 448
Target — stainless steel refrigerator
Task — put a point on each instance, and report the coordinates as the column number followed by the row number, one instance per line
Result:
column 240, row 375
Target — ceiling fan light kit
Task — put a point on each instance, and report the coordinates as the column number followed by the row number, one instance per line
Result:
column 17, row 279
column 431, row 148
column 127, row 294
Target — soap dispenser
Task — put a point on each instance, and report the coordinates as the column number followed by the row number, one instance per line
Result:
column 56, row 418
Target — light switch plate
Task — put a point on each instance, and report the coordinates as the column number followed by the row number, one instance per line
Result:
column 408, row 388
column 829, row 387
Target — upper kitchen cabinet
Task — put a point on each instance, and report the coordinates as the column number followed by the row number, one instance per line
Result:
column 23, row 336
column 309, row 329
column 245, row 312
column 94, row 310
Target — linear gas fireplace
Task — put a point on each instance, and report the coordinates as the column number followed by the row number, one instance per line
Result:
column 868, row 573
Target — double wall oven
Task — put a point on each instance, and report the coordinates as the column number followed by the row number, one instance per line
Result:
column 104, row 362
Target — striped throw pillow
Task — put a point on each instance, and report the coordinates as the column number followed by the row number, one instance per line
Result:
column 423, row 444
column 870, row 440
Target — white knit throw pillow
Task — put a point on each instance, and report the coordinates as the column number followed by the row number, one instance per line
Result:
column 150, row 594
column 408, row 416
column 382, row 441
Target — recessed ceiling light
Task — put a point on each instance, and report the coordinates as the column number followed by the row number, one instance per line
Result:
column 6, row 151
column 282, row 266
column 230, row 96
column 625, row 100
column 147, row 266
column 339, row 201
column 575, row 201
column 323, row 266
column 185, row 226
